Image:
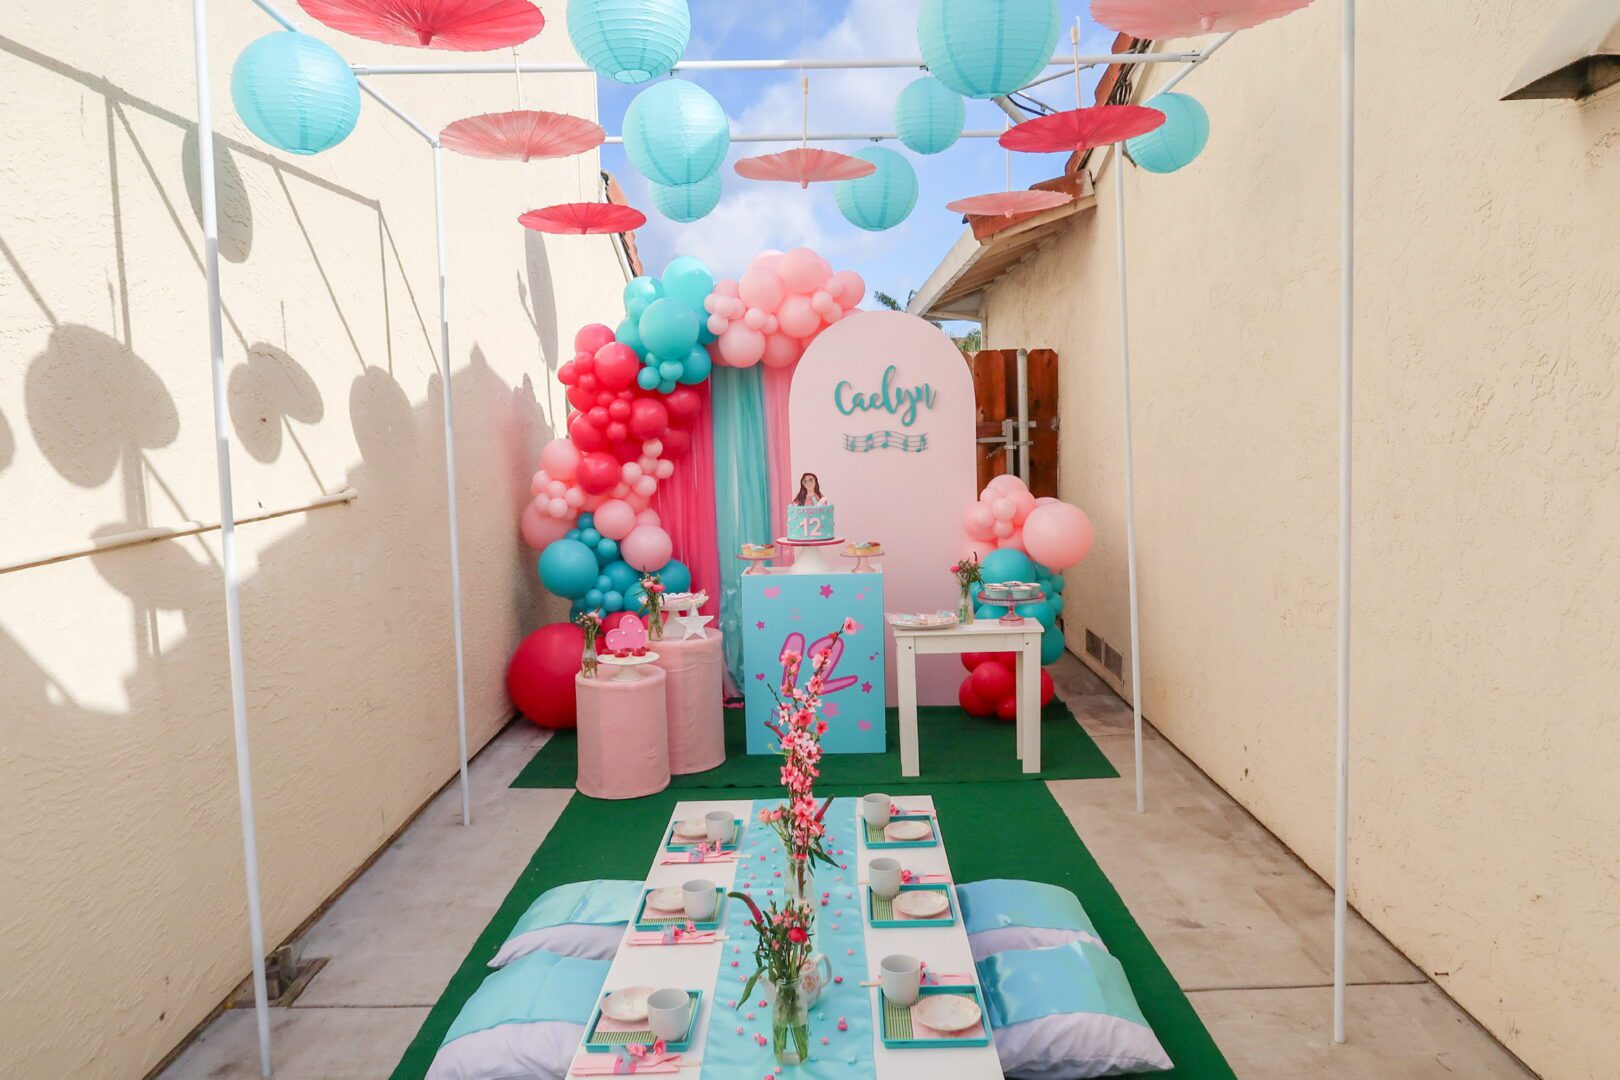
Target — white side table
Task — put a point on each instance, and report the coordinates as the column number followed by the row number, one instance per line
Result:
column 983, row 635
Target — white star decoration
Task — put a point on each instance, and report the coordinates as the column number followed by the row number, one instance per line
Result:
column 692, row 623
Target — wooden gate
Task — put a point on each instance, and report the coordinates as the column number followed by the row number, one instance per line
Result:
column 995, row 388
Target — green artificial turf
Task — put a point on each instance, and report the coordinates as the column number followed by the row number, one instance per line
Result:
column 1010, row 830
column 954, row 747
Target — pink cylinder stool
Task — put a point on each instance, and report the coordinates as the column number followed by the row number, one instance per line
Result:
column 623, row 736
column 693, row 700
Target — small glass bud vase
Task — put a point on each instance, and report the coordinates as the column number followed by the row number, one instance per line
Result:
column 964, row 609
column 588, row 664
column 790, row 1025
column 655, row 625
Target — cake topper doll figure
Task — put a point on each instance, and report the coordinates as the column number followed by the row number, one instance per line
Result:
column 810, row 491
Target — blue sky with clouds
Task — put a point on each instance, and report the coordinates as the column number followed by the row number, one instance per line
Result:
column 753, row 216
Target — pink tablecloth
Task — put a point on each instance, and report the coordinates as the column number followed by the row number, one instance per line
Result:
column 623, row 736
column 692, row 697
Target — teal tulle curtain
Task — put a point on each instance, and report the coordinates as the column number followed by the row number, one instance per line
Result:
column 742, row 504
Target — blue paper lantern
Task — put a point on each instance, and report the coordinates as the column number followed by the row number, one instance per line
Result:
column 295, row 92
column 885, row 198
column 1178, row 141
column 687, row 202
column 629, row 41
column 676, row 133
column 929, row 116
column 986, row 48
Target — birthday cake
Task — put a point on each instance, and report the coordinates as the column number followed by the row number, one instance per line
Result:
column 810, row 523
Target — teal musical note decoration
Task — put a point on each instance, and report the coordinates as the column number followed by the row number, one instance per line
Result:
column 886, row 440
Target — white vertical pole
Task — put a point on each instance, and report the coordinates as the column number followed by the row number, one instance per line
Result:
column 450, row 479
column 1025, row 440
column 1130, row 473
column 227, row 530
column 1347, row 354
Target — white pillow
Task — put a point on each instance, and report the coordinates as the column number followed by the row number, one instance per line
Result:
column 1074, row 1046
column 585, row 919
column 572, row 939
column 1001, row 914
column 542, row 1051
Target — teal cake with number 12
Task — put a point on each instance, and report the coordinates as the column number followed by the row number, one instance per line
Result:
column 810, row 523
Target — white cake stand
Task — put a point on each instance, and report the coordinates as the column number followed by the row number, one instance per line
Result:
column 627, row 668
column 811, row 557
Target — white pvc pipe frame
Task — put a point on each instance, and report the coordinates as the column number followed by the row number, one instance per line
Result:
column 222, row 449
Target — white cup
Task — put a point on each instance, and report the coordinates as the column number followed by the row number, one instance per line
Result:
column 669, row 1013
column 875, row 809
column 722, row 826
column 901, row 978
column 884, row 874
column 699, row 898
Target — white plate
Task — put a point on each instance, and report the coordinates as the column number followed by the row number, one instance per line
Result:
column 907, row 830
column 946, row 1012
column 667, row 899
column 629, row 1006
column 922, row 904
column 694, row 829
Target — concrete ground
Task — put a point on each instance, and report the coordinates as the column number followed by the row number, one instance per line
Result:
column 1245, row 928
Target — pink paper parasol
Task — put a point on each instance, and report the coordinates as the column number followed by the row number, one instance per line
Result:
column 1081, row 129
column 1161, row 19
column 581, row 219
column 522, row 135
column 461, row 25
column 804, row 166
column 1008, row 203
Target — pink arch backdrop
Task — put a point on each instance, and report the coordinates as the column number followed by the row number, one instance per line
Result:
column 882, row 411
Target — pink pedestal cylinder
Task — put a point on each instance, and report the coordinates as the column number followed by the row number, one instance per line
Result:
column 692, row 697
column 623, row 735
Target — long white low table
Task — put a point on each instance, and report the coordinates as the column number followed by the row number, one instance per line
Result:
column 944, row 949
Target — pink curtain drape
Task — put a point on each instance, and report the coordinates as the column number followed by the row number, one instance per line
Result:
column 685, row 503
column 778, row 460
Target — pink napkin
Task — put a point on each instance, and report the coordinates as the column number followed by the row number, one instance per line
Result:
column 908, row 878
column 685, row 937
column 587, row 1064
column 692, row 857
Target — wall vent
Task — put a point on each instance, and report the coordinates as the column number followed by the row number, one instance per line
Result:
column 1094, row 645
column 1113, row 662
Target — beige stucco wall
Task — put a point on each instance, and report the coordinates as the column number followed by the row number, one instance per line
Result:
column 1485, row 821
column 122, row 910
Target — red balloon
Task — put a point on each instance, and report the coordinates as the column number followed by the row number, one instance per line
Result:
column 591, row 338
column 587, row 382
column 971, row 660
column 970, row 702
column 616, row 366
column 579, row 399
column 598, row 415
column 617, row 433
column 992, row 681
column 648, row 418
column 598, row 473
column 1048, row 688
column 568, row 374
column 1007, row 710
column 619, row 409
column 677, row 441
column 540, row 677
column 584, row 434
column 627, row 451
column 683, row 403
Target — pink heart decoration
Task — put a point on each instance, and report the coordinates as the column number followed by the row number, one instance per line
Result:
column 773, row 592
column 628, row 637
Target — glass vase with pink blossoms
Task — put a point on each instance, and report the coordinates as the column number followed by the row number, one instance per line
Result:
column 798, row 727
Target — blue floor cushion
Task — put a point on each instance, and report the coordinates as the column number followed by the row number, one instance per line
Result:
column 526, row 1020
column 584, row 919
column 1003, row 914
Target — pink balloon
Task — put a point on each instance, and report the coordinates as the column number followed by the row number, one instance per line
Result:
column 560, row 460
column 742, row 347
column 558, row 508
column 1003, row 529
column 977, row 549
column 832, row 315
column 631, row 472
column 772, row 325
column 645, row 486
column 638, row 503
column 665, row 470
column 1046, row 500
column 574, row 497
column 726, row 288
column 979, row 523
column 649, row 517
column 782, row 351
column 797, row 317
column 1006, row 483
column 1003, row 509
column 652, row 448
column 822, row 302
column 539, row 482
column 539, row 528
column 850, row 286
column 754, row 319
column 804, row 271
column 592, row 338
column 1023, row 503
column 1015, row 541
column 761, row 289
column 647, row 548
column 718, row 324
column 556, row 489
column 614, row 519
column 1058, row 535
column 769, row 259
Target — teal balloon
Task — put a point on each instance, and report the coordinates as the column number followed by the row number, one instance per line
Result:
column 647, row 378
column 676, row 133
column 594, row 598
column 1058, row 583
column 697, row 367
column 705, row 335
column 885, row 198
column 1040, row 611
column 675, row 576
column 1051, row 646
column 670, row 370
column 629, row 334
column 1177, row 142
column 603, row 582
column 929, row 116
column 669, row 328
column 1007, row 564
column 666, row 386
column 295, row 92
column 590, row 538
column 585, row 520
column 686, row 202
column 636, row 599
column 987, row 48
column 629, row 41
column 576, row 609
column 613, row 601
column 568, row 568
column 621, row 576
column 989, row 611
column 639, row 295
column 607, row 551
column 573, row 534
column 688, row 280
